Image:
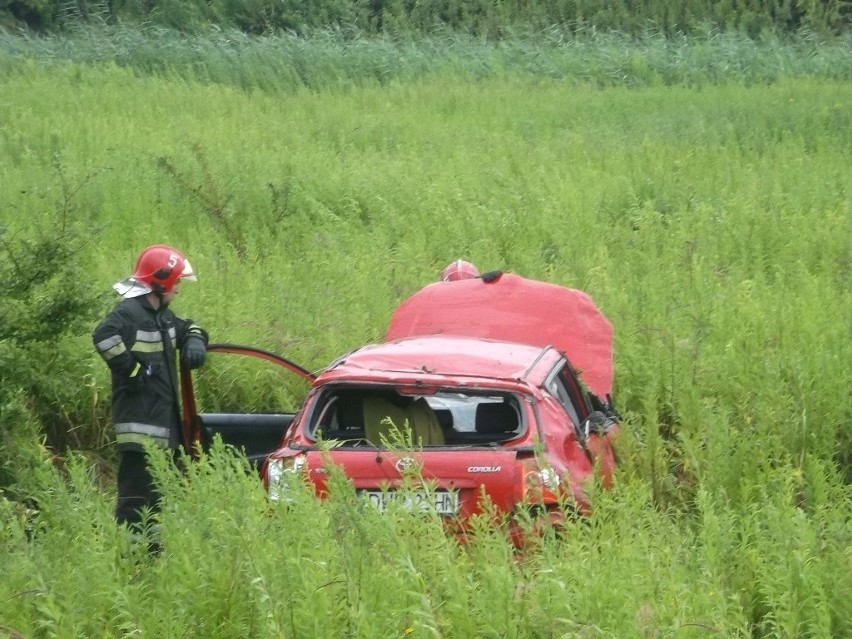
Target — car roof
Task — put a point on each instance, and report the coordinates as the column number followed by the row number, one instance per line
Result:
column 511, row 308
column 444, row 359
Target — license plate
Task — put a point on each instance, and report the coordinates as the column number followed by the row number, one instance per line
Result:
column 441, row 501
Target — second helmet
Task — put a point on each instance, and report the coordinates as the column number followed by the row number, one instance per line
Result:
column 459, row 270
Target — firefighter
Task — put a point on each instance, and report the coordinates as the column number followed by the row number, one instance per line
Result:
column 459, row 270
column 139, row 340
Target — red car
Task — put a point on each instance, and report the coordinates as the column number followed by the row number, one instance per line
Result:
column 495, row 388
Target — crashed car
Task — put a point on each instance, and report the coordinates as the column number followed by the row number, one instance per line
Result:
column 493, row 393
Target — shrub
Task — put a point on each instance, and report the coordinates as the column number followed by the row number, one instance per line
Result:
column 45, row 302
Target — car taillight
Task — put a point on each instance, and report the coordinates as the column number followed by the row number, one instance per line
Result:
column 280, row 473
column 541, row 486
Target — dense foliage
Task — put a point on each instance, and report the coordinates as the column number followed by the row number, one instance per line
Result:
column 493, row 18
column 234, row 565
column 326, row 61
column 46, row 303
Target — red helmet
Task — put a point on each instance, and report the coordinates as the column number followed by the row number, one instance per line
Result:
column 459, row 270
column 160, row 267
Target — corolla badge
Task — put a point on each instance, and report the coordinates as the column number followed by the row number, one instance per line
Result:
column 483, row 469
column 405, row 463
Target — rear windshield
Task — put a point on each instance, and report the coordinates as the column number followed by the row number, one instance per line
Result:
column 381, row 416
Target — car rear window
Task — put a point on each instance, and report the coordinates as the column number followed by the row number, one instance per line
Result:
column 378, row 416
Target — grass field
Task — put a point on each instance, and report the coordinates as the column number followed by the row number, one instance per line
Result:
column 709, row 218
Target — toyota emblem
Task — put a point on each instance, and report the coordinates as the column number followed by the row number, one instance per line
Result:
column 405, row 463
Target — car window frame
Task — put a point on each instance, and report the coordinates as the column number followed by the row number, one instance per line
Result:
column 565, row 387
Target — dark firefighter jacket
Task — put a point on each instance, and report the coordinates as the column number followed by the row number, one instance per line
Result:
column 139, row 344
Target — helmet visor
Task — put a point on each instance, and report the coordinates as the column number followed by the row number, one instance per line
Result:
column 188, row 274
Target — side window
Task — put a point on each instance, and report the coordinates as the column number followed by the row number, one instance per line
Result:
column 563, row 386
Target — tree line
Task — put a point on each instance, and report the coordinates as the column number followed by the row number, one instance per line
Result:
column 481, row 18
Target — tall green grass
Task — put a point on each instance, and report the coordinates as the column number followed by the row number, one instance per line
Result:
column 709, row 219
column 330, row 59
column 233, row 565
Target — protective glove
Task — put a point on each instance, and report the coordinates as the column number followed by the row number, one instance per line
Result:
column 194, row 351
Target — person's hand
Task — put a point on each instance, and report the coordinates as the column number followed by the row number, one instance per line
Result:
column 194, row 351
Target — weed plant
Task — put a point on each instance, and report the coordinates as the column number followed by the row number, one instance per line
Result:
column 709, row 216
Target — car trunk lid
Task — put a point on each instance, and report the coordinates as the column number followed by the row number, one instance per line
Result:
column 515, row 309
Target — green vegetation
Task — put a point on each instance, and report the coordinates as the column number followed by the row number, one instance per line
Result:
column 46, row 304
column 328, row 61
column 698, row 189
column 493, row 18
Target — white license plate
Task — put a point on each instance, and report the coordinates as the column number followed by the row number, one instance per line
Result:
column 441, row 501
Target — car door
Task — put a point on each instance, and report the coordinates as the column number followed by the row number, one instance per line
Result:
column 248, row 401
column 594, row 423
